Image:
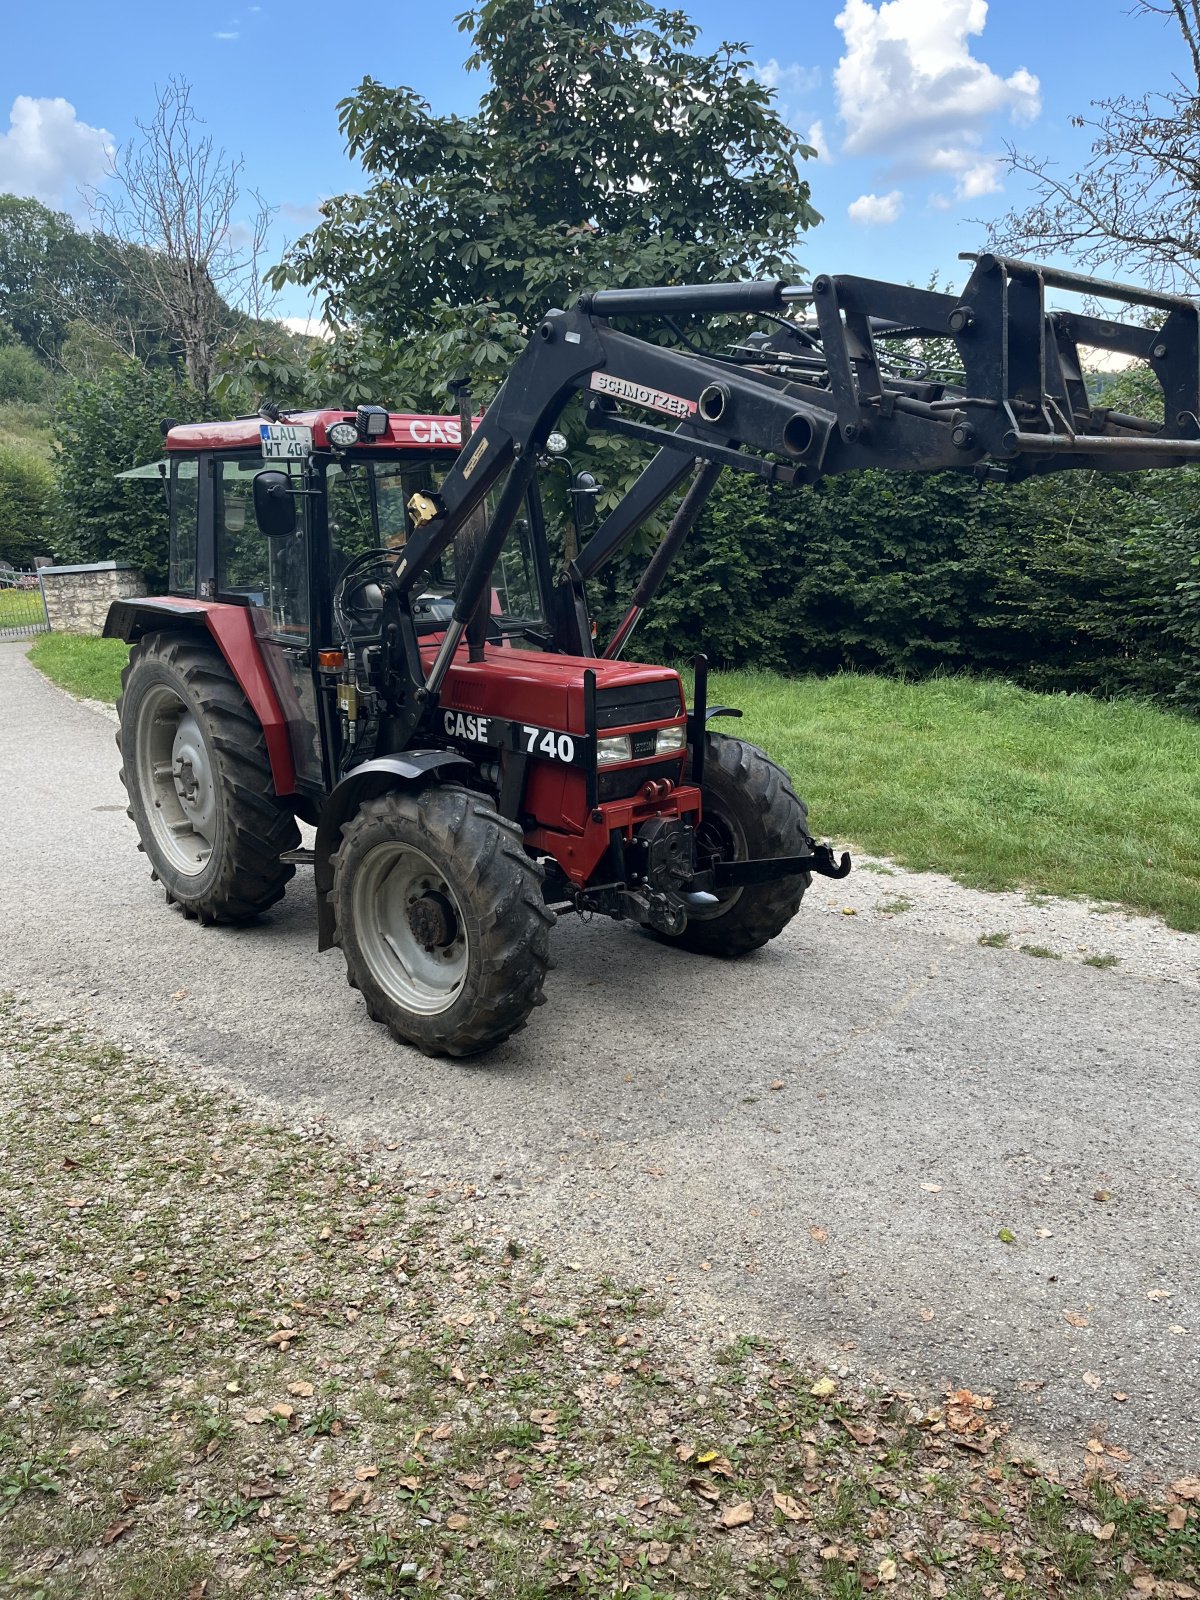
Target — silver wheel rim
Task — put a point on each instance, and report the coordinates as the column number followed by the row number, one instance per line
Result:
column 175, row 781
column 410, row 929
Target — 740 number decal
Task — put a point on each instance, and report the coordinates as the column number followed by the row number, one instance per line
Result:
column 545, row 742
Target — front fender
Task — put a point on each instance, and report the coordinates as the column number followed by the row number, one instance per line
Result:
column 408, row 769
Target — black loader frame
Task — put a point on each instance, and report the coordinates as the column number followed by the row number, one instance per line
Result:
column 806, row 401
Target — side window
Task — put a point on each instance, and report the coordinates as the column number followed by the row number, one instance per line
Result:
column 271, row 573
column 242, row 557
column 182, row 578
column 288, row 558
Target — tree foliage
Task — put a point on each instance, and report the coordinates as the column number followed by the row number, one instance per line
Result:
column 26, row 506
column 106, row 426
column 606, row 150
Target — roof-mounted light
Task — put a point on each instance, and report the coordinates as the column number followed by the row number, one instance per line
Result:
column 342, row 434
column 371, row 422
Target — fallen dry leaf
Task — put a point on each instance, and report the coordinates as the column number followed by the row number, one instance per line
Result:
column 114, row 1531
column 363, row 1473
column 926, row 1313
column 777, row 1083
column 792, row 1509
column 1186, row 1488
column 887, row 1570
column 1076, row 1319
column 300, row 1388
column 456, row 1521
column 443, row 1431
column 861, row 1432
column 1158, row 1294
column 819, row 1234
column 932, row 1188
column 255, row 1414
column 342, row 1499
column 658, row 1554
column 1092, row 1379
column 824, row 1388
column 1177, row 1518
column 738, row 1516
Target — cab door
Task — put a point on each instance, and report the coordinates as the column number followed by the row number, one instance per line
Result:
column 271, row 577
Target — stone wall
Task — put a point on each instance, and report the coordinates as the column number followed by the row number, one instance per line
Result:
column 78, row 598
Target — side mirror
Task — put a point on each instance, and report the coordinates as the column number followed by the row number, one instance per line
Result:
column 274, row 506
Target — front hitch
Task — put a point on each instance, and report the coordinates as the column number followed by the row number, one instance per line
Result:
column 740, row 874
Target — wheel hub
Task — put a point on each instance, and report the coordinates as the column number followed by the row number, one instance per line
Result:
column 432, row 920
column 191, row 777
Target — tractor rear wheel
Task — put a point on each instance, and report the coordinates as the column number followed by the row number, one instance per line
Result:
column 749, row 810
column 440, row 916
column 195, row 765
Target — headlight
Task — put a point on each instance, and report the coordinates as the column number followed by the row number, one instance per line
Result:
column 613, row 749
column 342, row 434
column 670, row 739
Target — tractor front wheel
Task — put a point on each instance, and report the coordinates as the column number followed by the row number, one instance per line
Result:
column 749, row 811
column 194, row 762
column 440, row 916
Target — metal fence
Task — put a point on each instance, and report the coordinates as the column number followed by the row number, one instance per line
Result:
column 22, row 604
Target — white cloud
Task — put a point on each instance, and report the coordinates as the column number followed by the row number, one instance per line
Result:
column 311, row 327
column 49, row 154
column 226, row 35
column 982, row 177
column 790, row 79
column 873, row 208
column 939, row 202
column 819, row 139
column 909, row 89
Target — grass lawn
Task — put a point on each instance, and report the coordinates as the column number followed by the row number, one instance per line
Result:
column 84, row 666
column 244, row 1360
column 19, row 607
column 1000, row 788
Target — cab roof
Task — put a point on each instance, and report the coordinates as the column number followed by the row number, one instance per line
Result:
column 407, row 430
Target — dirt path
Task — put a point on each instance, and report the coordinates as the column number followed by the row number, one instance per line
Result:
column 895, row 1147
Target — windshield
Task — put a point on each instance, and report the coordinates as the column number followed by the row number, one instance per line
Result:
column 368, row 510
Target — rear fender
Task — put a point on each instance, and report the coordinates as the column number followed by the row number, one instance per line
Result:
column 232, row 630
column 410, row 769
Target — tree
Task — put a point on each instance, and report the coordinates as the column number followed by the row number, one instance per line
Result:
column 26, row 505
column 606, row 150
column 169, row 225
column 42, row 265
column 1135, row 203
column 104, row 427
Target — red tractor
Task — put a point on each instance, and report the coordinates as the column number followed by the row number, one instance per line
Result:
column 368, row 628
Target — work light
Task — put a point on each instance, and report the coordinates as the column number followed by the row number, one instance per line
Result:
column 371, row 422
column 342, row 434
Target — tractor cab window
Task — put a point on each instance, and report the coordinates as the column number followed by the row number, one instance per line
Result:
column 267, row 573
column 182, row 574
column 368, row 510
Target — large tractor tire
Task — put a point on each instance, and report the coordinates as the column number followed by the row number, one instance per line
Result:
column 749, row 810
column 440, row 916
column 194, row 762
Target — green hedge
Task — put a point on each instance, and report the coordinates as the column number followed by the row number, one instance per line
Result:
column 26, row 505
column 1074, row 581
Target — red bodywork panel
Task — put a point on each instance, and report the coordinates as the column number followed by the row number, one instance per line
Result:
column 547, row 690
column 237, row 639
column 406, row 431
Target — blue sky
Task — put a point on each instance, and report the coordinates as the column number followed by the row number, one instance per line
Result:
column 911, row 100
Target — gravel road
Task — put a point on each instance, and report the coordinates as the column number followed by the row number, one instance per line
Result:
column 827, row 1140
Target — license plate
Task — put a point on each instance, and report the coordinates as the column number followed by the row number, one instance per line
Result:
column 285, row 441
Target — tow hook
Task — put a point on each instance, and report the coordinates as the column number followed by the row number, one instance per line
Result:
column 825, row 862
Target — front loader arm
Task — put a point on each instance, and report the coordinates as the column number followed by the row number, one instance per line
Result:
column 807, row 401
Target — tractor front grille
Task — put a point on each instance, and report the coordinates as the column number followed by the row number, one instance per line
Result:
column 621, row 782
column 630, row 703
